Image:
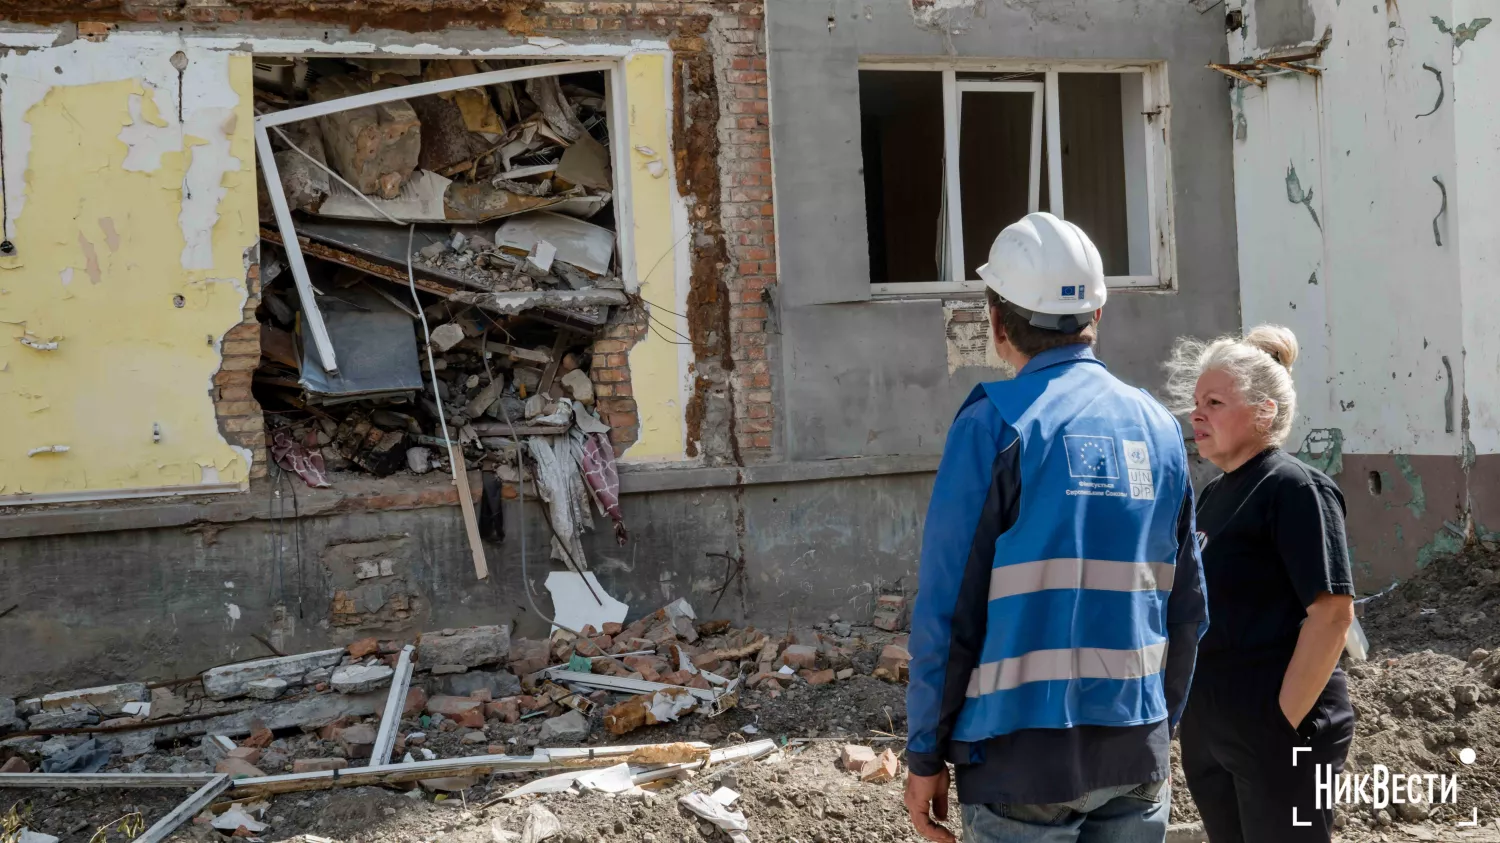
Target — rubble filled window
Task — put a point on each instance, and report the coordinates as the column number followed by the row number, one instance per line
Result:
column 952, row 156
column 434, row 268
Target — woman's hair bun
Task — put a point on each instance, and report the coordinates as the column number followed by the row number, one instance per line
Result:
column 1276, row 341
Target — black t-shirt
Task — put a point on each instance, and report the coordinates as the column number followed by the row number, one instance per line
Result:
column 1275, row 541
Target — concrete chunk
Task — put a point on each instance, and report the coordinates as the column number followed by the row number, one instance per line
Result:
column 472, row 647
column 266, row 689
column 307, row 713
column 233, row 680
column 360, row 678
column 66, row 718
column 499, row 683
column 572, row 726
column 109, row 699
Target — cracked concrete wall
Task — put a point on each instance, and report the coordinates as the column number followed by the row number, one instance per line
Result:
column 1386, row 271
column 174, row 601
column 866, row 377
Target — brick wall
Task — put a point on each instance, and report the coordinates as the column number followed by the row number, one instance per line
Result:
column 614, row 395
column 239, row 414
column 733, row 34
column 749, row 220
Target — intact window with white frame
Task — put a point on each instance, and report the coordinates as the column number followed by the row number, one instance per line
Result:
column 953, row 154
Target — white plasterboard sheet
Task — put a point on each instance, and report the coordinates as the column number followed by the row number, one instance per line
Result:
column 582, row 244
column 574, row 607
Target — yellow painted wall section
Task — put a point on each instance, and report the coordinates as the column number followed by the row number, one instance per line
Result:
column 101, row 259
column 655, row 366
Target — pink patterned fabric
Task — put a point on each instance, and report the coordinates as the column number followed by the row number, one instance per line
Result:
column 598, row 459
column 296, row 457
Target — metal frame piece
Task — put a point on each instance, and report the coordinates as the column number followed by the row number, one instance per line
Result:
column 83, row 781
column 185, row 810
column 264, row 122
column 390, row 719
column 624, row 685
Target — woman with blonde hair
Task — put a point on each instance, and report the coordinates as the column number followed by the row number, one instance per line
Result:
column 1276, row 567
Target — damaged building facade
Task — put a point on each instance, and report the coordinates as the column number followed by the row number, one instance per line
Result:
column 1365, row 192
column 236, row 400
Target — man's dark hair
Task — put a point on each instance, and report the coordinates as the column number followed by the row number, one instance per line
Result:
column 1028, row 338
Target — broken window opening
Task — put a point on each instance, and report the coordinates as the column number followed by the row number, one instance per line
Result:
column 511, row 185
column 953, row 156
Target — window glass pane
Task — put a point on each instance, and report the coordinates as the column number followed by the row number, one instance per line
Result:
column 994, row 167
column 902, row 140
column 1092, row 122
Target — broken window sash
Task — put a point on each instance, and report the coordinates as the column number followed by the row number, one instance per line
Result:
column 282, row 209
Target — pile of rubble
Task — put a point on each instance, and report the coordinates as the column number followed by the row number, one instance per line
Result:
column 444, row 713
column 471, row 329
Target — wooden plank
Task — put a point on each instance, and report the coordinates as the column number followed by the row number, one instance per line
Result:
column 186, row 810
column 390, row 720
column 527, row 354
column 466, row 505
column 558, row 344
column 82, row 781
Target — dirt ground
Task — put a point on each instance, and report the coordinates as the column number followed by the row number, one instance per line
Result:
column 1426, row 693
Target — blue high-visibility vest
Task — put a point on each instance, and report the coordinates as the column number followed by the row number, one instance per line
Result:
column 1076, row 628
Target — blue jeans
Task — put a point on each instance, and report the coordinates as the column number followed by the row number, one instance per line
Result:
column 1128, row 814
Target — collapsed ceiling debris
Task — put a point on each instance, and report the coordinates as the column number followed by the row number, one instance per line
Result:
column 437, row 259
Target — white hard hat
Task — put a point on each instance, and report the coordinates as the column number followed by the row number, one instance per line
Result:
column 1047, row 269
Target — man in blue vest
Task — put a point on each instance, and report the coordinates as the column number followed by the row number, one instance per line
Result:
column 1061, row 593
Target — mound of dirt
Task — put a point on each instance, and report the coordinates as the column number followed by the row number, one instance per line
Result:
column 1452, row 606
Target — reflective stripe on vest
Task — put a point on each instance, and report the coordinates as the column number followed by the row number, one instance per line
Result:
column 1078, row 663
column 1097, row 574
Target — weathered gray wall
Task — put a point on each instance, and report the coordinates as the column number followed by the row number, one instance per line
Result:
column 871, row 378
column 153, row 604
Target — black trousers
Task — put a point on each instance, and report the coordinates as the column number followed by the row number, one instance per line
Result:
column 1237, row 754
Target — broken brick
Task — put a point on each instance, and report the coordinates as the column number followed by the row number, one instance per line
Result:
column 358, row 741
column 603, row 642
column 882, row 769
column 855, row 757
column 364, row 647
column 893, row 663
column 238, row 768
column 245, row 753
column 260, row 737
column 613, row 629
column 331, row 731
column 416, row 700
column 817, row 677
column 16, row 765
column 800, row 656
column 507, row 710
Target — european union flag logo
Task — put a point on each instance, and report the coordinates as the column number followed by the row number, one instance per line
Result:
column 1070, row 292
column 1091, row 456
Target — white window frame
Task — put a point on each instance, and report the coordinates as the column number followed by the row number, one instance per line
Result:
column 1155, row 130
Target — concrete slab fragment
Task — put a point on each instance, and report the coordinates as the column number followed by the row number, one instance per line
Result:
column 233, row 680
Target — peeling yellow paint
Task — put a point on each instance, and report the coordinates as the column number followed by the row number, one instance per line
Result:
column 655, row 367
column 101, row 251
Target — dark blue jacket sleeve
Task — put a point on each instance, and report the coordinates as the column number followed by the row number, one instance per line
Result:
column 1187, row 612
column 964, row 488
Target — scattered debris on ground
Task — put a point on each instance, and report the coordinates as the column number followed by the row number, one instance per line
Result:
column 664, row 729
column 483, row 715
